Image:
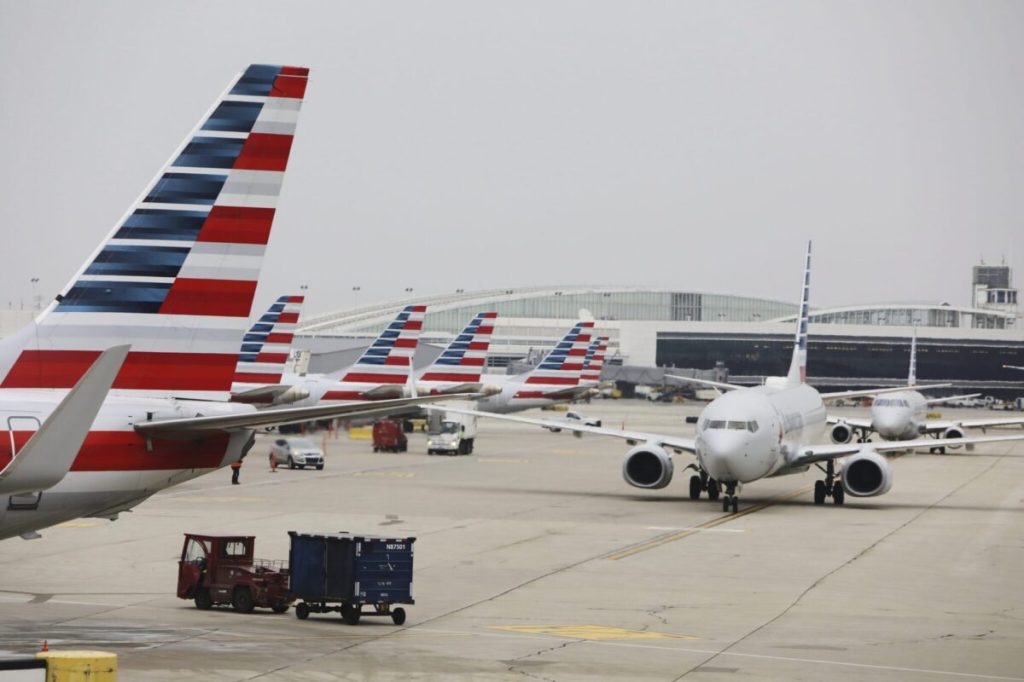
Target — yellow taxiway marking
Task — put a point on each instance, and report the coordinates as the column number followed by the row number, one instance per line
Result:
column 217, row 498
column 502, row 460
column 704, row 526
column 386, row 474
column 590, row 632
column 77, row 524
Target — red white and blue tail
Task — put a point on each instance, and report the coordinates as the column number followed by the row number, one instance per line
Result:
column 464, row 359
column 594, row 363
column 798, row 367
column 268, row 343
column 175, row 278
column 562, row 367
column 388, row 360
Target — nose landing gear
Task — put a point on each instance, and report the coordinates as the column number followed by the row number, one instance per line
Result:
column 731, row 500
column 829, row 487
column 701, row 482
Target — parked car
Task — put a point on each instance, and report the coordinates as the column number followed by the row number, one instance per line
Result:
column 297, row 452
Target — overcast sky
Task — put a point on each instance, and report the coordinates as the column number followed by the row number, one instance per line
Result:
column 444, row 145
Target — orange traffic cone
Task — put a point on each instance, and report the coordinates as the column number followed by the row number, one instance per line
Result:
column 46, row 646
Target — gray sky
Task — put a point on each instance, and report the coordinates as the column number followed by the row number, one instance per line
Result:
column 470, row 145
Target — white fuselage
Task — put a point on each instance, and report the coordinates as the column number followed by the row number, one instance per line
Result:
column 751, row 433
column 517, row 395
column 899, row 416
column 116, row 467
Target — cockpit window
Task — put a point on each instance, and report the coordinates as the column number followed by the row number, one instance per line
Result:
column 732, row 425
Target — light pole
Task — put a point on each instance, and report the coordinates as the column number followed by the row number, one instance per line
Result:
column 355, row 296
column 35, row 297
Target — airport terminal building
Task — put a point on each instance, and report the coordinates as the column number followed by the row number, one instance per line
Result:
column 752, row 337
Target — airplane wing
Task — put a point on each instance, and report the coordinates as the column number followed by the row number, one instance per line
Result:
column 192, row 427
column 48, row 455
column 820, row 453
column 706, row 382
column 936, row 401
column 943, row 424
column 877, row 391
column 855, row 422
column 632, row 437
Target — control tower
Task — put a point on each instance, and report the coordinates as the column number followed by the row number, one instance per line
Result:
column 992, row 289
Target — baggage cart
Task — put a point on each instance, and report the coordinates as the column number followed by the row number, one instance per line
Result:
column 355, row 575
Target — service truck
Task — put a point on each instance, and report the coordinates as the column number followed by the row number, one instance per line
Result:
column 450, row 433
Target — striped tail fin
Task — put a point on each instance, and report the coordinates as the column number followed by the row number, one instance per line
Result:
column 388, row 360
column 268, row 343
column 563, row 366
column 595, row 360
column 176, row 276
column 798, row 367
column 464, row 359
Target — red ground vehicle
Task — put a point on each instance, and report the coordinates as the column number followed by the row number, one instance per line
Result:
column 388, row 436
column 221, row 570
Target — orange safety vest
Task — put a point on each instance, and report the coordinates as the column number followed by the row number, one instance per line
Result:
column 236, row 465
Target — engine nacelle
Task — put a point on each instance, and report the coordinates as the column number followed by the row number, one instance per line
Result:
column 953, row 432
column 867, row 474
column 292, row 395
column 647, row 466
column 841, row 433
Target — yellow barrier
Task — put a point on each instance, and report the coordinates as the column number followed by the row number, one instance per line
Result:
column 360, row 433
column 79, row 666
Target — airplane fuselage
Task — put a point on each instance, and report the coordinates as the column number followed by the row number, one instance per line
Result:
column 749, row 434
column 899, row 416
column 116, row 467
column 515, row 395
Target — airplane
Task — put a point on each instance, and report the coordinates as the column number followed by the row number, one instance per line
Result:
column 750, row 433
column 380, row 372
column 1013, row 367
column 556, row 379
column 175, row 280
column 902, row 415
column 590, row 377
column 460, row 365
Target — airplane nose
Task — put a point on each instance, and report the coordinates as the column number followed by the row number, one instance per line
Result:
column 731, row 457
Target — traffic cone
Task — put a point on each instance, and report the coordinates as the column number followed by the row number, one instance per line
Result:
column 46, row 646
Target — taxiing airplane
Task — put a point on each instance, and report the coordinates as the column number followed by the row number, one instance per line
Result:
column 175, row 280
column 752, row 433
column 902, row 415
column 556, row 379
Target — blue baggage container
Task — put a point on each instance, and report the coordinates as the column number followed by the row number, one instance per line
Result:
column 344, row 572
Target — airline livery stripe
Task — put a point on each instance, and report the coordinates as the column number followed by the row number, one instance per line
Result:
column 265, row 152
column 141, row 370
column 450, row 376
column 257, row 378
column 237, row 225
column 567, row 381
column 368, row 378
column 209, row 297
column 128, row 451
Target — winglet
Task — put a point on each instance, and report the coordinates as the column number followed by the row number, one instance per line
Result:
column 798, row 367
column 47, row 456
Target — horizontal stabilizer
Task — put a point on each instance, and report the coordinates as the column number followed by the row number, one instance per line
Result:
column 48, row 455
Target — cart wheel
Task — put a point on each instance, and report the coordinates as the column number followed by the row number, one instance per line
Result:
column 242, row 601
column 280, row 607
column 203, row 599
column 302, row 610
column 350, row 613
column 398, row 616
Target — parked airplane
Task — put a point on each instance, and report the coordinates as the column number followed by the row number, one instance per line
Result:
column 460, row 365
column 556, row 379
column 175, row 279
column 902, row 415
column 590, row 377
column 381, row 372
column 752, row 433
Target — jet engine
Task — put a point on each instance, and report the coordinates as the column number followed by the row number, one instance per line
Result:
column 292, row 395
column 867, row 474
column 647, row 466
column 841, row 433
column 953, row 432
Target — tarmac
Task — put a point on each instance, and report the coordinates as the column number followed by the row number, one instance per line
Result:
column 535, row 560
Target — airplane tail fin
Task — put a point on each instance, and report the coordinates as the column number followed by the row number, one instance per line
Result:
column 464, row 359
column 594, row 363
column 175, row 278
column 563, row 365
column 388, row 360
column 798, row 366
column 912, row 376
column 267, row 344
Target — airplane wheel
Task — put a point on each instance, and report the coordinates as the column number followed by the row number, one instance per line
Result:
column 725, row 503
column 819, row 492
column 735, row 504
column 713, row 490
column 694, row 487
column 838, row 494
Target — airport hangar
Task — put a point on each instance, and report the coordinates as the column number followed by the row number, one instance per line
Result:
column 653, row 331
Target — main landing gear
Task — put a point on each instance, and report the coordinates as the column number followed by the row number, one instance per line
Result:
column 700, row 482
column 830, row 487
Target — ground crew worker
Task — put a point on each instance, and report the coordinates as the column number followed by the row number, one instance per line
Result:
column 236, row 468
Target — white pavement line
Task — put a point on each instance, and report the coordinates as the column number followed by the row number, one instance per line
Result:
column 688, row 650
